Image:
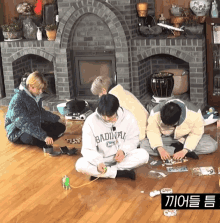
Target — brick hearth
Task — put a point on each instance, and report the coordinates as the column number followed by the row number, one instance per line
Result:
column 115, row 24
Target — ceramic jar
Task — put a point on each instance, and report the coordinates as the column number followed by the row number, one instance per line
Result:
column 200, row 7
column 162, row 84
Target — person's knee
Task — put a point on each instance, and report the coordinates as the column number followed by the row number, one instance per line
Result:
column 61, row 127
column 209, row 143
column 80, row 164
column 26, row 138
column 144, row 155
column 213, row 146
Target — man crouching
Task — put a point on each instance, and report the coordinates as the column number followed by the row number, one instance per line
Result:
column 109, row 142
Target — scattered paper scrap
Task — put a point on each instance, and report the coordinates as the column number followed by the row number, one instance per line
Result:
column 177, row 169
column 170, row 213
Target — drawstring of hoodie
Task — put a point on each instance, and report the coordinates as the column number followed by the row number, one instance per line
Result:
column 116, row 138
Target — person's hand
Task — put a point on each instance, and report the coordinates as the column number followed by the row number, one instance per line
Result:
column 163, row 153
column 180, row 155
column 49, row 140
column 63, row 121
column 101, row 168
column 119, row 156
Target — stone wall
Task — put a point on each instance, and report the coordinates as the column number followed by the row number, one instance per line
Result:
column 20, row 66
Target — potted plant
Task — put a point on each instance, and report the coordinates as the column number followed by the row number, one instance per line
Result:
column 51, row 31
column 12, row 30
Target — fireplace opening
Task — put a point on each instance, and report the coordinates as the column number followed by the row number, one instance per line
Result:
column 30, row 63
column 158, row 63
column 88, row 68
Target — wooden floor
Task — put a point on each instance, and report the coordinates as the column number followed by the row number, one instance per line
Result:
column 31, row 189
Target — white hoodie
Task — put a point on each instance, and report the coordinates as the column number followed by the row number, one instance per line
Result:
column 99, row 140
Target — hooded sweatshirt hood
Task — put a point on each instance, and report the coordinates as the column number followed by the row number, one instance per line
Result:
column 120, row 114
column 23, row 87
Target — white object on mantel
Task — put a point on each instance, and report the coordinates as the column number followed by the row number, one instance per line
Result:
column 57, row 18
column 39, row 34
column 170, row 27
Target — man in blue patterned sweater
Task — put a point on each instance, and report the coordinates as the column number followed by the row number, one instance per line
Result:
column 26, row 121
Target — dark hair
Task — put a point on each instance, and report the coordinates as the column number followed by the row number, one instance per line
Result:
column 108, row 105
column 170, row 113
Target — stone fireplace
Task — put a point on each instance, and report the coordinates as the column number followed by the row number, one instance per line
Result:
column 94, row 29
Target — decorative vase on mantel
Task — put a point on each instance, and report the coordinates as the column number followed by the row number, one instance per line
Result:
column 200, row 7
column 29, row 29
column 142, row 8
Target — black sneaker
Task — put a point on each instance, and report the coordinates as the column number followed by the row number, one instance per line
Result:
column 93, row 178
column 179, row 146
column 127, row 174
column 49, row 149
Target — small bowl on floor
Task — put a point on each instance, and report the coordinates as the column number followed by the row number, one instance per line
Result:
column 62, row 108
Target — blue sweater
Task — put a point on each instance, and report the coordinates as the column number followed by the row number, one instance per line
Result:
column 25, row 115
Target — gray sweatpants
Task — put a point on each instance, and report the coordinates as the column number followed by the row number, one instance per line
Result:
column 206, row 145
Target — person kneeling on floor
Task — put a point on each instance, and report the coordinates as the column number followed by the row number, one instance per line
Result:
column 176, row 128
column 105, row 85
column 109, row 142
column 26, row 121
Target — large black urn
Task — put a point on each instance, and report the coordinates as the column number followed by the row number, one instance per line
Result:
column 162, row 84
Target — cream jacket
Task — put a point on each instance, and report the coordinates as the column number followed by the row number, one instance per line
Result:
column 128, row 101
column 188, row 131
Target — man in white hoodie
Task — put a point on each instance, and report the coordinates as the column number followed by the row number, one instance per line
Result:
column 109, row 142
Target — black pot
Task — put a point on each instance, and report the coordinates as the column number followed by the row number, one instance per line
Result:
column 194, row 30
column 162, row 84
column 76, row 106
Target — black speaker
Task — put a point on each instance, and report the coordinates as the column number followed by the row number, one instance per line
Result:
column 49, row 14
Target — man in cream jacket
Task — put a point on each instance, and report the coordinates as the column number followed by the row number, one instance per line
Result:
column 176, row 128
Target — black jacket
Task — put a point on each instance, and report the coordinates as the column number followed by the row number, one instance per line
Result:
column 25, row 115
